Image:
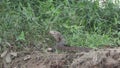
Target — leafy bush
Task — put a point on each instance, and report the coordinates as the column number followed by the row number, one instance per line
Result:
column 82, row 22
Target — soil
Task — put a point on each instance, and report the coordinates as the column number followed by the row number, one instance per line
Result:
column 99, row 58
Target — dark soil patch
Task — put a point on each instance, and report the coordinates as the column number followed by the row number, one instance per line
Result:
column 99, row 58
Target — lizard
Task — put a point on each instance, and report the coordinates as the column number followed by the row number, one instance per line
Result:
column 61, row 43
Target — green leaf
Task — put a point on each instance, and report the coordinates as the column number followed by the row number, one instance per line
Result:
column 21, row 36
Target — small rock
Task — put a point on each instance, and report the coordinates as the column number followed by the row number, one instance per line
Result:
column 13, row 54
column 50, row 50
column 4, row 53
column 27, row 57
column 8, row 58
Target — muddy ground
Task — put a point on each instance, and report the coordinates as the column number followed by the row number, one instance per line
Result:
column 97, row 58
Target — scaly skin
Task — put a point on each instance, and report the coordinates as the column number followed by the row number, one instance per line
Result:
column 61, row 44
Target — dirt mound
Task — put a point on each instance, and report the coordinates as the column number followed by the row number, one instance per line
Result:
column 100, row 58
column 103, row 58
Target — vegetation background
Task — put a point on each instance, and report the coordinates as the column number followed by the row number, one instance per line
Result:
column 82, row 22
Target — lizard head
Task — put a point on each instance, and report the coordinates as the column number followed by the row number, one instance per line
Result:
column 56, row 35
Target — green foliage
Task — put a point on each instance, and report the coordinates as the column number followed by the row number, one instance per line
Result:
column 21, row 37
column 82, row 22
